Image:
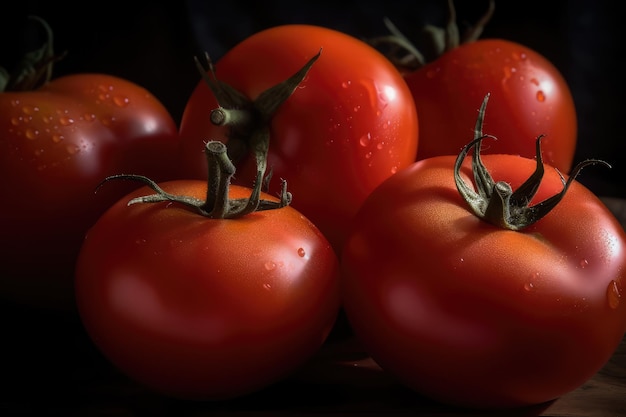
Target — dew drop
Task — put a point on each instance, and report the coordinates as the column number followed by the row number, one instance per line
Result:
column 72, row 149
column 89, row 117
column 380, row 145
column 57, row 138
column 346, row 84
column 368, row 155
column 47, row 119
column 583, row 263
column 120, row 101
column 541, row 96
column 29, row 110
column 394, row 169
column 15, row 121
column 530, row 284
column 267, row 286
column 356, row 108
column 31, row 134
column 270, row 265
column 613, row 295
column 66, row 120
column 365, row 139
column 301, row 252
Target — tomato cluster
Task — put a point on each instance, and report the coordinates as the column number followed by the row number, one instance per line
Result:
column 313, row 174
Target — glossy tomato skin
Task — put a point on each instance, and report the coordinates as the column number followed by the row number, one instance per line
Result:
column 474, row 315
column 206, row 309
column 532, row 97
column 56, row 144
column 350, row 124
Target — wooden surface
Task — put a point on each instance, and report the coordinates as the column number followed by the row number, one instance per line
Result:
column 50, row 368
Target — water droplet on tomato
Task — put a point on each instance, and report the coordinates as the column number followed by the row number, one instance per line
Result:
column 301, row 252
column 541, row 96
column 613, row 295
column 267, row 286
column 365, row 139
column 431, row 73
column 89, row 117
column 31, row 134
column 57, row 138
column 368, row 155
column 529, row 286
column 394, row 169
column 72, row 149
column 15, row 121
column 534, row 81
column 66, row 120
column 270, row 265
column 107, row 121
column 583, row 263
column 346, row 84
column 121, row 101
column 380, row 145
column 356, row 108
column 29, row 110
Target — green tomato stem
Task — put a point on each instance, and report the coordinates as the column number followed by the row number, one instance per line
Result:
column 495, row 202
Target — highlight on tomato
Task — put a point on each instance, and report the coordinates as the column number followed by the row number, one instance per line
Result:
column 494, row 283
column 206, row 291
column 332, row 114
column 58, row 138
column 532, row 94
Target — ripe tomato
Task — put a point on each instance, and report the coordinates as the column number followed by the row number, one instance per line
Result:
column 57, row 142
column 474, row 314
column 533, row 99
column 350, row 123
column 533, row 96
column 206, row 308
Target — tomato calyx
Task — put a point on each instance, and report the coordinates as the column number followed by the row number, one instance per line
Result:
column 406, row 56
column 217, row 205
column 496, row 202
column 248, row 119
column 35, row 67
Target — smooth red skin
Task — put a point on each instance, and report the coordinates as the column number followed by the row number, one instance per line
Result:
column 474, row 315
column 449, row 90
column 208, row 309
column 334, row 140
column 57, row 144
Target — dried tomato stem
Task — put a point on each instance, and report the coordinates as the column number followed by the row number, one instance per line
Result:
column 218, row 204
column 495, row 202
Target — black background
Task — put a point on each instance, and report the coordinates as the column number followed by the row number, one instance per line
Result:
column 153, row 44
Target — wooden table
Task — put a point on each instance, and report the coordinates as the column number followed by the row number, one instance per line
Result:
column 49, row 367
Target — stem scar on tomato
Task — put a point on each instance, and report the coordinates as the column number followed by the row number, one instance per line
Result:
column 217, row 204
column 495, row 201
column 248, row 119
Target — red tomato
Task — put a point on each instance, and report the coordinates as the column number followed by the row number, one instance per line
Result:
column 478, row 315
column 203, row 308
column 349, row 125
column 532, row 95
column 56, row 144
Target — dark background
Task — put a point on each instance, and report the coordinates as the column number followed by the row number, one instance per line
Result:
column 153, row 44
